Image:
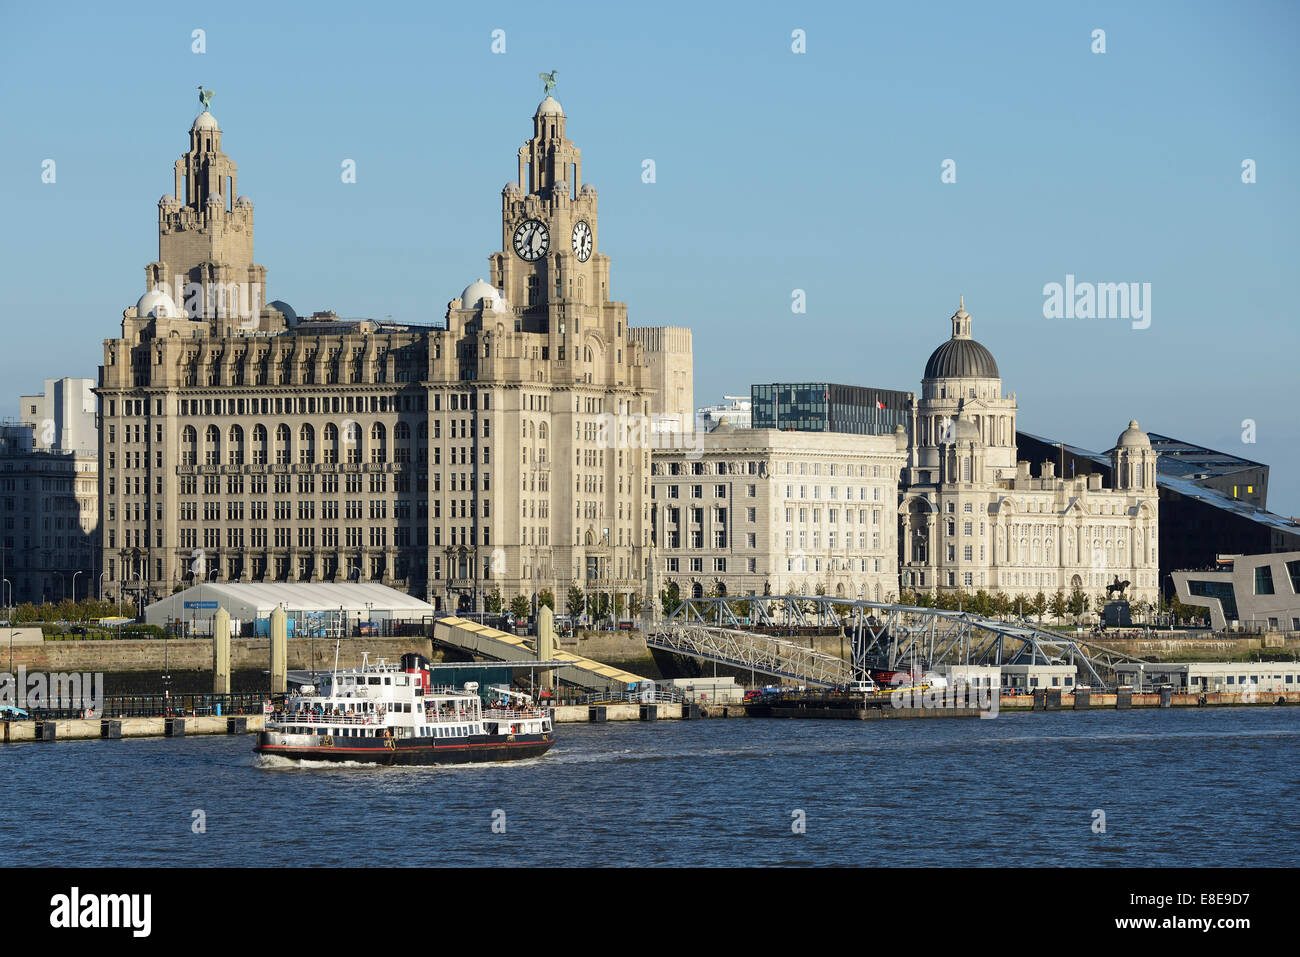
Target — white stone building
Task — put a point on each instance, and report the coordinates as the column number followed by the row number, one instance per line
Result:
column 760, row 511
column 971, row 516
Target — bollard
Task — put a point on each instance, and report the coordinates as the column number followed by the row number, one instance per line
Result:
column 110, row 728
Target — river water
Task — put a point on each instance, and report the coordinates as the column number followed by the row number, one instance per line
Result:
column 1178, row 787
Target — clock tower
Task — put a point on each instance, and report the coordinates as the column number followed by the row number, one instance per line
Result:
column 550, row 268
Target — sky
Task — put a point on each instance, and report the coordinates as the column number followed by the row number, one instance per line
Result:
column 775, row 171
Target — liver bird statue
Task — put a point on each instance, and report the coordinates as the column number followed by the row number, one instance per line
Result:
column 549, row 80
column 205, row 97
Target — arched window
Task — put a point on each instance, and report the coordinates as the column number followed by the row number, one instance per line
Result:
column 378, row 449
column 189, row 446
column 306, row 444
column 212, row 445
column 352, row 441
column 236, row 445
column 259, row 445
column 331, row 449
column 282, row 447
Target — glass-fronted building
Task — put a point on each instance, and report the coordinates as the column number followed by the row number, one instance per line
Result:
column 829, row 407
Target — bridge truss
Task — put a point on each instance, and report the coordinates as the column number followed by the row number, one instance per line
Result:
column 882, row 636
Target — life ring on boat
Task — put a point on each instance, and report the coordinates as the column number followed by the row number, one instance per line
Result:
column 388, row 740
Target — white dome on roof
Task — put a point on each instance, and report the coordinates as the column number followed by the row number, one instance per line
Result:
column 549, row 107
column 1133, row 437
column 205, row 121
column 157, row 304
column 169, row 200
column 485, row 294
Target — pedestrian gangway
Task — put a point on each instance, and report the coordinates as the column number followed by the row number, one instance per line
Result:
column 490, row 643
column 882, row 635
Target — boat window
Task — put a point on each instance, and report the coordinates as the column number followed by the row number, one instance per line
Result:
column 374, row 679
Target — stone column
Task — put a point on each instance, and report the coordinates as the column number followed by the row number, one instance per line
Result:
column 221, row 652
column 545, row 644
column 279, row 650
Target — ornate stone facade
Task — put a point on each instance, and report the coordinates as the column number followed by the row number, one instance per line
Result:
column 250, row 445
column 760, row 511
column 972, row 517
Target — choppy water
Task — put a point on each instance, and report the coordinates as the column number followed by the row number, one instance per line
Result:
column 1205, row 787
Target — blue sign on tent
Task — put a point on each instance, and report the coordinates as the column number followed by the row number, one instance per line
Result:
column 210, row 605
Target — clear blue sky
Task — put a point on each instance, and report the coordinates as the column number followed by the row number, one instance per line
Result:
column 775, row 171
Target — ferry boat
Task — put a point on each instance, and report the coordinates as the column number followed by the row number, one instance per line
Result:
column 392, row 714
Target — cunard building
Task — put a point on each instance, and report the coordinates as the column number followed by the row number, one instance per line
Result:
column 240, row 442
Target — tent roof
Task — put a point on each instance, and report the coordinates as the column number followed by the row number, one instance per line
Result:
column 304, row 596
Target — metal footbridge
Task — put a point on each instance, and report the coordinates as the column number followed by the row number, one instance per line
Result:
column 494, row 645
column 730, row 631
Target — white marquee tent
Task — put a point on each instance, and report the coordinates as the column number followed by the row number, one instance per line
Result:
column 254, row 601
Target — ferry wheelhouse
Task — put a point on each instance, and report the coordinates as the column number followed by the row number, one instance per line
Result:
column 393, row 714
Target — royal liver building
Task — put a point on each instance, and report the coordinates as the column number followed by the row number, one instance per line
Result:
column 973, row 517
column 242, row 442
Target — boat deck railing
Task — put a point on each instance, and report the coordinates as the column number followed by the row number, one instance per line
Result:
column 308, row 717
column 512, row 713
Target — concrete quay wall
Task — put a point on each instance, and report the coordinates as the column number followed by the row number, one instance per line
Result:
column 195, row 654
column 73, row 729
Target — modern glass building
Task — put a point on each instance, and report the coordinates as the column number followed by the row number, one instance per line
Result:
column 828, row 407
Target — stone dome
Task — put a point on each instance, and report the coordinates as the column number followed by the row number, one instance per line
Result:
column 549, row 107
column 1133, row 437
column 157, row 304
column 282, row 307
column 205, row 121
column 482, row 293
column 243, row 201
column 214, row 199
column 169, row 200
column 511, row 187
column 961, row 357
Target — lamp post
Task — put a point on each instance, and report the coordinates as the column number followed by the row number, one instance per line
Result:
column 74, row 584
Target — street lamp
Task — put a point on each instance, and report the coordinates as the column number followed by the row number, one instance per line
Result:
column 74, row 584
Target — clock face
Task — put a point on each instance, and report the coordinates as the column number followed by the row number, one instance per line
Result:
column 582, row 241
column 532, row 239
